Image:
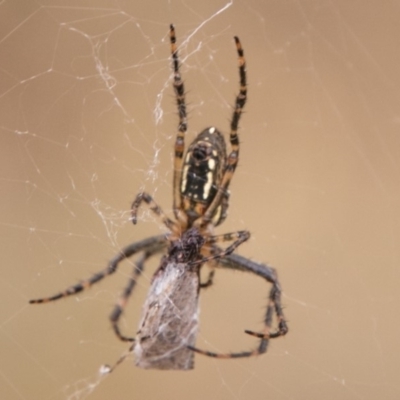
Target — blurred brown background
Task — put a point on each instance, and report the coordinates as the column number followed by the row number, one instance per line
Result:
column 87, row 119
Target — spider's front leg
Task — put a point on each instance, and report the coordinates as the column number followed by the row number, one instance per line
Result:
column 235, row 261
column 153, row 245
column 126, row 294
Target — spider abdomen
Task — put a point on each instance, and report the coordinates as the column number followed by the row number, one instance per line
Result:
column 202, row 172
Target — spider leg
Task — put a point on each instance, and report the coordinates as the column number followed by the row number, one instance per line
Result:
column 234, row 261
column 233, row 157
column 214, row 252
column 238, row 262
column 152, row 244
column 240, row 99
column 179, row 147
column 124, row 298
column 238, row 236
column 210, row 279
column 154, row 207
column 262, row 348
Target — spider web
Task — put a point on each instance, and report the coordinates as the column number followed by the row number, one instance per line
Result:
column 88, row 119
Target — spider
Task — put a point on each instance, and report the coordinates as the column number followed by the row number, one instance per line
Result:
column 201, row 180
